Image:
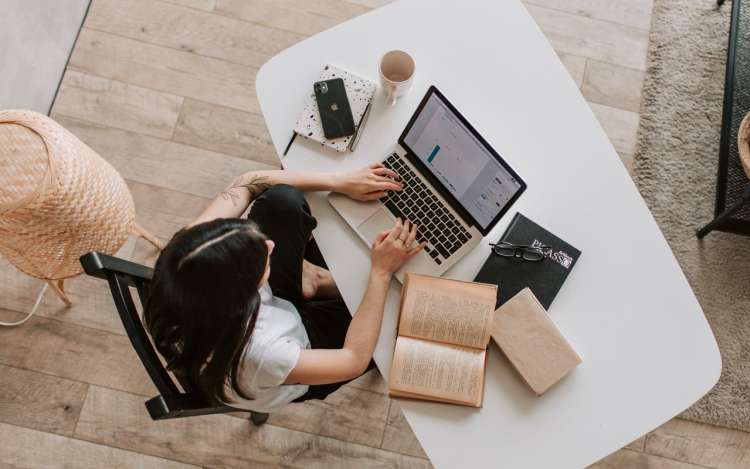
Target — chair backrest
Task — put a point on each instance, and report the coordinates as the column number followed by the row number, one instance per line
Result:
column 121, row 275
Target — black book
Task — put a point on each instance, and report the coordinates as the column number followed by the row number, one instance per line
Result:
column 513, row 275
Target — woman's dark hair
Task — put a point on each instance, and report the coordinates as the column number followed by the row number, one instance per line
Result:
column 203, row 301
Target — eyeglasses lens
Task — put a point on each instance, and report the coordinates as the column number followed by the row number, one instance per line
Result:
column 533, row 255
column 501, row 250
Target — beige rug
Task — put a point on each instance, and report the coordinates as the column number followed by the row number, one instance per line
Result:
column 675, row 170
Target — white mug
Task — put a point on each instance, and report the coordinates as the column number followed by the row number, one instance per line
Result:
column 396, row 73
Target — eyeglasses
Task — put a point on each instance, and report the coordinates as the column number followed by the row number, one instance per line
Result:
column 527, row 253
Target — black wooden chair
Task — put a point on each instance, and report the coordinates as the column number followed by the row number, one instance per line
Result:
column 171, row 402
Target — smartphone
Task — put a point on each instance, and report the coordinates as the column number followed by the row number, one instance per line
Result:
column 333, row 105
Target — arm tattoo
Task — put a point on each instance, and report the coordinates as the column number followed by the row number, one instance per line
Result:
column 255, row 187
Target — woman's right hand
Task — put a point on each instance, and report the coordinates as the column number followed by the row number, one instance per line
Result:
column 395, row 246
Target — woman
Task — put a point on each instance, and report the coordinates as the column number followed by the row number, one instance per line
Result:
column 237, row 306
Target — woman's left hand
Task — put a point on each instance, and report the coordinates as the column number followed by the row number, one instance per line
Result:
column 369, row 183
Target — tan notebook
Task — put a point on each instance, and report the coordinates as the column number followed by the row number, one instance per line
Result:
column 443, row 333
column 535, row 347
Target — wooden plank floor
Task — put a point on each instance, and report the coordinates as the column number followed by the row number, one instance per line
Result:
column 164, row 90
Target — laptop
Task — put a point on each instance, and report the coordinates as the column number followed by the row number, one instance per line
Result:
column 456, row 188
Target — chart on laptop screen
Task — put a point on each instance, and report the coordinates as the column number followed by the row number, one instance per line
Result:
column 460, row 162
column 449, row 153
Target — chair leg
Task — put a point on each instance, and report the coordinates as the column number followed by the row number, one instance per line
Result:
column 145, row 234
column 258, row 418
column 58, row 287
column 725, row 215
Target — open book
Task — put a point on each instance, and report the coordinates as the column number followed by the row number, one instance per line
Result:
column 443, row 333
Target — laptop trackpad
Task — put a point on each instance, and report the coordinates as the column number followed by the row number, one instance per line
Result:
column 378, row 222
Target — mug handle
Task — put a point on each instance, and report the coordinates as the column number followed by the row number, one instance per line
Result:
column 391, row 96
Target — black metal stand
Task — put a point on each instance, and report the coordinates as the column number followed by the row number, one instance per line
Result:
column 731, row 182
column 725, row 215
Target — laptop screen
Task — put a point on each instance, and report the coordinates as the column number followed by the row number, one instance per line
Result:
column 467, row 167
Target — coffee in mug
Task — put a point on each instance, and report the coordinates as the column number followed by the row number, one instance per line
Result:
column 396, row 73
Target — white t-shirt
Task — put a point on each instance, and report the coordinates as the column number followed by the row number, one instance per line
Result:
column 275, row 345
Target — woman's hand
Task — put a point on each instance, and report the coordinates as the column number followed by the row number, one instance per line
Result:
column 369, row 183
column 393, row 247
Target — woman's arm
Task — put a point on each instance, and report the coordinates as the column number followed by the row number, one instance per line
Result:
column 235, row 199
column 364, row 184
column 321, row 366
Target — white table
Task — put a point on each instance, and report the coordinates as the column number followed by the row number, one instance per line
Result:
column 648, row 352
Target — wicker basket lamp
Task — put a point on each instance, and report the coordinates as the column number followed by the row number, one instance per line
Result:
column 743, row 144
column 58, row 200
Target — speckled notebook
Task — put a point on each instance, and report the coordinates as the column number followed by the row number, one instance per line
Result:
column 359, row 91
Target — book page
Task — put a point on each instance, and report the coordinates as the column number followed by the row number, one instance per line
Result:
column 437, row 370
column 447, row 311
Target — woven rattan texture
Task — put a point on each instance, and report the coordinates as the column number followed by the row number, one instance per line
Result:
column 24, row 167
column 59, row 200
column 743, row 143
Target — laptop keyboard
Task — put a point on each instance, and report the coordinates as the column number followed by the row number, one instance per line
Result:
column 416, row 202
